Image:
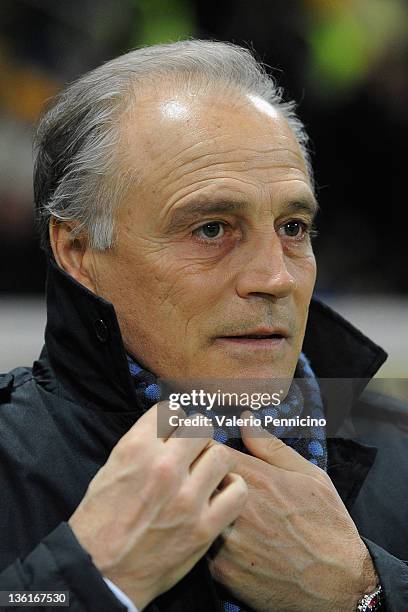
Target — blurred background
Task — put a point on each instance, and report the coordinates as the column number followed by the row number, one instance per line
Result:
column 344, row 61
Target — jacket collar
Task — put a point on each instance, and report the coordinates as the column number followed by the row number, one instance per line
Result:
column 84, row 359
column 84, row 347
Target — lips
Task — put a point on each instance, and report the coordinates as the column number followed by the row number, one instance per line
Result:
column 259, row 334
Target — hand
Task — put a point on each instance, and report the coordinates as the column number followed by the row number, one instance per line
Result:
column 294, row 547
column 155, row 507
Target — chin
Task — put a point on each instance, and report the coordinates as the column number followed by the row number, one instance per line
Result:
column 253, row 371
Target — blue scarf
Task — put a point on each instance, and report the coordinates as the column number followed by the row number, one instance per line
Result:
column 305, row 392
column 302, row 392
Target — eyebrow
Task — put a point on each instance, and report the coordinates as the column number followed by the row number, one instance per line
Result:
column 307, row 205
column 192, row 210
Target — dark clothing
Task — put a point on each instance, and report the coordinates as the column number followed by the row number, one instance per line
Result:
column 61, row 419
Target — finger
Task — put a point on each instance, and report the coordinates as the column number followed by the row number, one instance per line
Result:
column 274, row 451
column 186, row 430
column 210, row 468
column 227, row 505
column 154, row 424
column 168, row 420
column 186, row 443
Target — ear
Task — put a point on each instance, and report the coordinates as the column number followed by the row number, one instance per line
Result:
column 72, row 254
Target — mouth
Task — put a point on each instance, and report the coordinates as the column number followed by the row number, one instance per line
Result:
column 255, row 336
column 259, row 338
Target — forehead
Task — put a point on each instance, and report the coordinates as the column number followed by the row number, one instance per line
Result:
column 178, row 143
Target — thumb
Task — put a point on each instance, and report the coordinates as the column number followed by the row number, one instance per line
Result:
column 272, row 450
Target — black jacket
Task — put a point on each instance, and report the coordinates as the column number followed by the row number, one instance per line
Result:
column 60, row 420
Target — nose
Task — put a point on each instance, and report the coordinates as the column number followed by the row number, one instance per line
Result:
column 264, row 271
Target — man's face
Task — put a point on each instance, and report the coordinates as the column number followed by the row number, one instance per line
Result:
column 212, row 246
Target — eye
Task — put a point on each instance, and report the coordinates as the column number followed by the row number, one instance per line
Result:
column 294, row 229
column 212, row 230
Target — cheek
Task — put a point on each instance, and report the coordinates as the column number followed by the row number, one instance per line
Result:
column 183, row 289
column 153, row 283
column 305, row 278
column 304, row 272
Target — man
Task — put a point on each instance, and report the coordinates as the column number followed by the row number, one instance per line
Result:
column 176, row 204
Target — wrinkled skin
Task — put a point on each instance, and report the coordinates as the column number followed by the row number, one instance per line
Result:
column 213, row 240
column 176, row 290
column 145, row 534
column 294, row 546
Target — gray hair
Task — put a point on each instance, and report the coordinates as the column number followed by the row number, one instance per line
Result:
column 77, row 175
